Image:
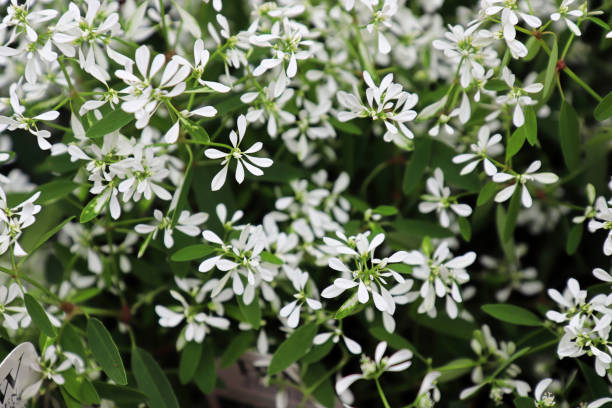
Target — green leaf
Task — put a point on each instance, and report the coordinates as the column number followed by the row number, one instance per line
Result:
column 486, row 193
column 251, row 312
column 119, row 394
column 271, row 258
column 191, row 252
column 47, row 236
column 417, row 165
column 465, row 228
column 318, row 352
column 105, row 351
column 70, row 340
column 533, row 47
column 524, row 402
column 346, row 127
column 512, row 214
column 497, row 85
column 597, row 385
column 603, row 110
column 152, row 381
column 385, row 210
column 394, row 340
column 573, row 239
column 206, row 377
column 347, row 308
column 39, row 316
column 421, row 228
column 599, row 22
column 80, row 388
column 551, row 69
column 293, row 348
column 94, row 207
column 236, row 348
column 111, row 122
column 190, row 359
column 70, row 401
column 569, row 134
column 515, row 142
column 530, row 128
column 55, row 190
column 512, row 314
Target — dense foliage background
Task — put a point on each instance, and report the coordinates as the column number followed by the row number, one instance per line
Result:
column 148, row 267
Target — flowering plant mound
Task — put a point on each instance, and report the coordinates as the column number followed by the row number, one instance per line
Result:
column 412, row 196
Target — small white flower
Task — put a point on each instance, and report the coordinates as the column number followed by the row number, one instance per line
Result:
column 487, row 146
column 565, row 13
column 530, row 175
column 253, row 163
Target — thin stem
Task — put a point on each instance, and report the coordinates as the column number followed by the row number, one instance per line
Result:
column 382, row 394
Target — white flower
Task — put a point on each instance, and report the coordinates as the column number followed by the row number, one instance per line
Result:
column 387, row 102
column 603, row 220
column 372, row 369
column 197, row 322
column 565, row 13
column 335, row 335
column 186, row 223
column 442, row 274
column 369, row 274
column 14, row 220
column 530, row 175
column 142, row 96
column 428, row 393
column 49, row 369
column 252, row 164
column 286, row 46
column 439, row 200
column 544, row 399
column 517, row 96
column 510, row 14
column 487, row 146
column 468, row 47
column 291, row 311
column 19, row 121
column 381, row 21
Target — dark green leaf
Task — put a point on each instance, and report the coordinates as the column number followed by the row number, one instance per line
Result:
column 599, row 22
column 533, row 48
column 603, row 110
column 70, row 340
column 55, row 190
column 293, row 348
column 39, row 316
column 190, row 359
column 530, row 128
column 465, row 228
column 515, row 142
column 346, row 127
column 119, row 394
column 94, row 207
column 152, row 381
column 569, row 134
column 385, row 210
column 512, row 314
column 47, row 236
column 347, row 308
column 271, row 258
column 236, row 348
column 206, row 377
column 318, row 352
column 251, row 312
column 421, row 228
column 80, row 388
column 191, row 252
column 112, row 121
column 573, row 239
column 105, row 351
column 415, row 169
column 486, row 193
column 513, row 211
column 70, row 401
column 551, row 70
column 524, row 402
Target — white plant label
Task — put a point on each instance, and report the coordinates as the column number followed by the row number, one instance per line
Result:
column 16, row 373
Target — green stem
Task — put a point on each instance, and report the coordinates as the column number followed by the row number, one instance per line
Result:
column 382, row 394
